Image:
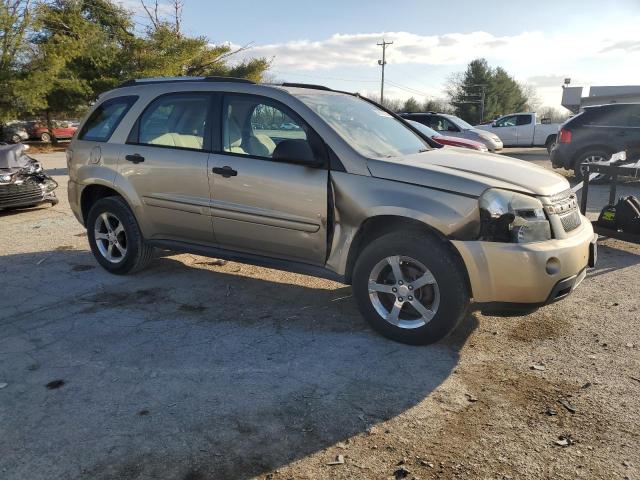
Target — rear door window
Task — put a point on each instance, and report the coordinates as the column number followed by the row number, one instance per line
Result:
column 105, row 118
column 176, row 120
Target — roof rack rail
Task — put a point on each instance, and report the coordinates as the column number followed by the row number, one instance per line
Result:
column 306, row 85
column 150, row 80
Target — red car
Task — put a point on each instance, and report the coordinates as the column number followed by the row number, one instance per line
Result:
column 451, row 141
column 39, row 131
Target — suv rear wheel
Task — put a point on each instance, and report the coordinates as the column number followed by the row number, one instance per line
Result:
column 115, row 238
column 590, row 156
column 410, row 288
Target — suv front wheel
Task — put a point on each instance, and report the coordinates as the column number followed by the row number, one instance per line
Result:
column 115, row 238
column 410, row 287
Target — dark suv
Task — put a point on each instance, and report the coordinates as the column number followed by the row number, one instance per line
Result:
column 597, row 133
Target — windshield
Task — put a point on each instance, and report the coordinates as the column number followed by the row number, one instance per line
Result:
column 459, row 122
column 372, row 132
column 429, row 132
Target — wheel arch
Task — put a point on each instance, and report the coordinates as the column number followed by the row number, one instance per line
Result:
column 550, row 139
column 92, row 193
column 379, row 225
column 582, row 151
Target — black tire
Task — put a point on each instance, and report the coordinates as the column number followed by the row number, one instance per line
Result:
column 16, row 139
column 45, row 137
column 138, row 253
column 551, row 142
column 447, row 270
column 596, row 152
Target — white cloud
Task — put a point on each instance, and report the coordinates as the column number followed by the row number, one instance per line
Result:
column 348, row 50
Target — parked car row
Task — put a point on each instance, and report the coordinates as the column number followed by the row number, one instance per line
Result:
column 452, row 126
column 447, row 140
column 15, row 132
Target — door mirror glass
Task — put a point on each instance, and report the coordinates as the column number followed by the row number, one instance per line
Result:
column 295, row 151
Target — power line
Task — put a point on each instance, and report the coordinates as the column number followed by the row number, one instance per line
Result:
column 325, row 77
column 408, row 89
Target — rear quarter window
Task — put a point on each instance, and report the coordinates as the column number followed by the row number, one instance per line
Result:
column 105, row 118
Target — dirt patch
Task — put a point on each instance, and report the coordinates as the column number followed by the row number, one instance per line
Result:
column 47, row 147
column 135, row 299
column 539, row 326
column 185, row 307
column 82, row 268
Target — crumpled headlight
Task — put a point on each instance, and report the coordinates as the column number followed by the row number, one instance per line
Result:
column 34, row 168
column 507, row 216
column 5, row 178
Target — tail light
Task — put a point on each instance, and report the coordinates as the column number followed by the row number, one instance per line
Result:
column 565, row 136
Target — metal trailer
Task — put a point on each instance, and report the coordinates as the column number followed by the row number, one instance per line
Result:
column 613, row 172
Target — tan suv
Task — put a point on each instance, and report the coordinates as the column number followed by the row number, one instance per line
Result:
column 307, row 179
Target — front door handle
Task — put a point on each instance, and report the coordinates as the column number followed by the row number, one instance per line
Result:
column 225, row 171
column 135, row 158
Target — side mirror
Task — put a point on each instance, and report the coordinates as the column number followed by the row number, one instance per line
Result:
column 295, row 151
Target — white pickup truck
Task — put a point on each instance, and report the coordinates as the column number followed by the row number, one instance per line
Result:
column 523, row 130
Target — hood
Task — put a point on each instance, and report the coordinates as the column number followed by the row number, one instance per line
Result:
column 469, row 172
column 13, row 156
column 485, row 134
column 458, row 141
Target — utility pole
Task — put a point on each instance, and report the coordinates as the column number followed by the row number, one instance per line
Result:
column 382, row 63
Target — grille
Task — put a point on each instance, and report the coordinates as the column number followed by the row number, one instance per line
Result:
column 19, row 194
column 570, row 221
column 559, row 197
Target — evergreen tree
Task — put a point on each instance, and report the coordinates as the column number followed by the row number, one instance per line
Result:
column 502, row 93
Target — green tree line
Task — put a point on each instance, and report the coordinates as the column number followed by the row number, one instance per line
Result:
column 58, row 56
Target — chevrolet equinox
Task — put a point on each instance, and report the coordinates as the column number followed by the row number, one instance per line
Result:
column 308, row 179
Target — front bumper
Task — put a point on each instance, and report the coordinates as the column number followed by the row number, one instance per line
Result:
column 26, row 194
column 530, row 273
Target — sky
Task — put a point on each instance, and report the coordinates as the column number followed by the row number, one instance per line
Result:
column 330, row 42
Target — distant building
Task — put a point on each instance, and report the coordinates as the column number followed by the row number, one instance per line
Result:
column 573, row 100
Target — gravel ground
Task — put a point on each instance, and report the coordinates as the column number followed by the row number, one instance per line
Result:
column 193, row 371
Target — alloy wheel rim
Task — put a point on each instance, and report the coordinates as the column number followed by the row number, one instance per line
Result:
column 404, row 292
column 590, row 159
column 110, row 237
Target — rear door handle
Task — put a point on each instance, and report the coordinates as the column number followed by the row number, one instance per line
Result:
column 225, row 171
column 135, row 158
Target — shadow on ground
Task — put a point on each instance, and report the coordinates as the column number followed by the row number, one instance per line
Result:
column 189, row 372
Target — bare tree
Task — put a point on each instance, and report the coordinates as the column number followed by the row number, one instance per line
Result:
column 154, row 12
column 177, row 14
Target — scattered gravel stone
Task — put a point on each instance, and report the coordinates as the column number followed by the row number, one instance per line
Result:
column 567, row 405
column 338, row 461
column 55, row 384
column 401, row 473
